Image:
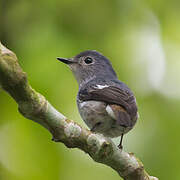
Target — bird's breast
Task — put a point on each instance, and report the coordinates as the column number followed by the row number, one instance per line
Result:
column 93, row 112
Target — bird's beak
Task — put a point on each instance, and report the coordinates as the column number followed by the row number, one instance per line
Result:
column 66, row 61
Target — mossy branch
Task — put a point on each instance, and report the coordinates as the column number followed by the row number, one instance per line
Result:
column 34, row 106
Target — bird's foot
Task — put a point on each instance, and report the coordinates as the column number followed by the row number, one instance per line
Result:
column 93, row 129
column 120, row 146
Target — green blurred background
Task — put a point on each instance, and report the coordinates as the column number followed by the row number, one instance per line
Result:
column 142, row 39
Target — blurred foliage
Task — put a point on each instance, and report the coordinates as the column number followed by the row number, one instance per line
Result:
column 142, row 40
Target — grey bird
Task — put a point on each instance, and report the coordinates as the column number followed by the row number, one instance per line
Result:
column 105, row 104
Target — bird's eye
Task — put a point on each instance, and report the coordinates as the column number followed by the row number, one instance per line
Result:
column 88, row 60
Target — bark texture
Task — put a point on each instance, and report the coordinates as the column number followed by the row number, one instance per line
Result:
column 34, row 106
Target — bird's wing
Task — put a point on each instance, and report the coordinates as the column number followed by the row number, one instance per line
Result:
column 120, row 115
column 111, row 95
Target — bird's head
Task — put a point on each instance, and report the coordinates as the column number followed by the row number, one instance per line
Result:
column 88, row 65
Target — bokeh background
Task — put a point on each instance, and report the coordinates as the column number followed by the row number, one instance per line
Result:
column 142, row 39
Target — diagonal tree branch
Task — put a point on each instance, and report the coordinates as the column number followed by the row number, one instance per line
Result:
column 34, row 106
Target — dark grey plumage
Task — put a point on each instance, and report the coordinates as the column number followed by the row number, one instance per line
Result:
column 106, row 104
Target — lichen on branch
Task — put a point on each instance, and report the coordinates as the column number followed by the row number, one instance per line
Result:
column 34, row 106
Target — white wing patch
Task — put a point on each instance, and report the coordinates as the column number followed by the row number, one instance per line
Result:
column 101, row 86
column 110, row 112
column 83, row 104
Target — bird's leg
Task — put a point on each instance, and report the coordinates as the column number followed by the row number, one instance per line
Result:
column 95, row 126
column 120, row 144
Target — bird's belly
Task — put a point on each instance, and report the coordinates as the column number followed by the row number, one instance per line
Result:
column 93, row 112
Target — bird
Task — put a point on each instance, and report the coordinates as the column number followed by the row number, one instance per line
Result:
column 106, row 104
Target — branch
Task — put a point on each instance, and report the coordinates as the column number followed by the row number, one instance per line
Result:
column 34, row 106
